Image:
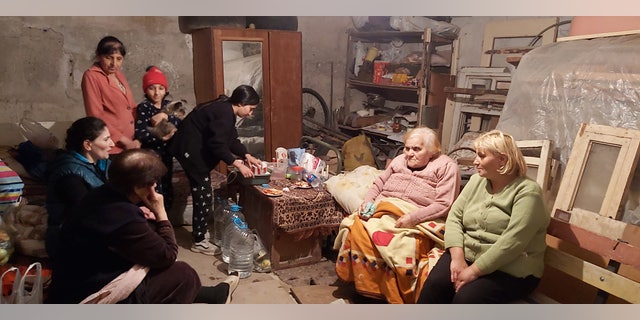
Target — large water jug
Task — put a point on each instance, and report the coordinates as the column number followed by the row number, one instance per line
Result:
column 221, row 216
column 241, row 250
column 234, row 220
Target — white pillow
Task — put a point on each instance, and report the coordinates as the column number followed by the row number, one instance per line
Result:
column 350, row 188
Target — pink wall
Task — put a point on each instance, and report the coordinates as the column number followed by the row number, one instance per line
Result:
column 591, row 25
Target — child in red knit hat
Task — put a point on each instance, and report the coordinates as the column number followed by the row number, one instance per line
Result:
column 149, row 115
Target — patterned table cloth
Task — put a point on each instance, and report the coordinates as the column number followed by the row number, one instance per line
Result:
column 299, row 210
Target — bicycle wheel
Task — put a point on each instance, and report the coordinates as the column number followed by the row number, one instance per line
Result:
column 315, row 113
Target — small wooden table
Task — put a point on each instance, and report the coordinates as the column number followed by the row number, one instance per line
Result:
column 292, row 226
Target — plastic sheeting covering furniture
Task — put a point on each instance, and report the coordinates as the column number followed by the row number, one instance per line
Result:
column 558, row 86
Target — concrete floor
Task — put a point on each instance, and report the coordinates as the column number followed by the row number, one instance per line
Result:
column 310, row 284
column 316, row 283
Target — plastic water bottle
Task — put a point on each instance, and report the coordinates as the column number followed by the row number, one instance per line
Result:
column 236, row 218
column 313, row 180
column 261, row 257
column 221, row 216
column 241, row 242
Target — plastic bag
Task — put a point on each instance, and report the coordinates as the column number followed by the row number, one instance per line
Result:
column 37, row 134
column 357, row 152
column 11, row 296
column 295, row 156
column 27, row 288
column 441, row 28
column 261, row 257
column 31, row 292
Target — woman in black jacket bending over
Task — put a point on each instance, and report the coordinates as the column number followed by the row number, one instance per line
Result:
column 204, row 138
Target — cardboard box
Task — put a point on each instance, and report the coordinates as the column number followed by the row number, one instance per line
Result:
column 359, row 122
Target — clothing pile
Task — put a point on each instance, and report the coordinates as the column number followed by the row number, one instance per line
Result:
column 28, row 223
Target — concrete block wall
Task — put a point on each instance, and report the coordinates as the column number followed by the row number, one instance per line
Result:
column 44, row 59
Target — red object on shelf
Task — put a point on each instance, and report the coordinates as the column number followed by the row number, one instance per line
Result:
column 379, row 70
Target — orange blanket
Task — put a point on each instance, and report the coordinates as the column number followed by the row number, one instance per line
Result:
column 386, row 262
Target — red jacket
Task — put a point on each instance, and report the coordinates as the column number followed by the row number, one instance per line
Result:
column 103, row 99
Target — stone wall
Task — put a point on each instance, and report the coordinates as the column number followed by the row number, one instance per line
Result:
column 44, row 58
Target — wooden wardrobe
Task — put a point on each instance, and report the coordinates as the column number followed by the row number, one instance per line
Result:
column 281, row 59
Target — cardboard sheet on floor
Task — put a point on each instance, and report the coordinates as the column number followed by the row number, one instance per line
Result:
column 321, row 294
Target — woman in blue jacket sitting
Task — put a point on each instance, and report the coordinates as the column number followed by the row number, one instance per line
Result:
column 78, row 168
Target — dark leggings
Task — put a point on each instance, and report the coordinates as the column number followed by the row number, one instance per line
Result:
column 201, row 197
column 496, row 287
column 202, row 200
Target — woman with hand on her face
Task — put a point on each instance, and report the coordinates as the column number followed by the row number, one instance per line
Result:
column 107, row 95
column 495, row 232
column 109, row 253
column 204, row 138
column 390, row 241
column 80, row 167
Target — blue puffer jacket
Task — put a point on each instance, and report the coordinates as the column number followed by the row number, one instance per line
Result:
column 69, row 163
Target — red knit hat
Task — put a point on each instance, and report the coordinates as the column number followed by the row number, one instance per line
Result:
column 154, row 76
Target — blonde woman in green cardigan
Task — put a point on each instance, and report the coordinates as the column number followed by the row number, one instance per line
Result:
column 495, row 231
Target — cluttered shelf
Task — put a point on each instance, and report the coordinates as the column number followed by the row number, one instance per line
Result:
column 400, row 66
column 405, row 36
column 391, row 92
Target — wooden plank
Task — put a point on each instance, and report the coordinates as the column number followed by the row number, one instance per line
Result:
column 515, row 61
column 490, row 98
column 510, row 50
column 455, row 50
column 542, row 162
column 474, row 91
column 606, row 247
column 606, row 226
column 447, row 123
column 596, row 276
column 532, row 161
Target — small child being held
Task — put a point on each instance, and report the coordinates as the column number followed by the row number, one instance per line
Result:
column 150, row 116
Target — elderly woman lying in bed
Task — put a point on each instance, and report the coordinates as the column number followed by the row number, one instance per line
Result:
column 387, row 247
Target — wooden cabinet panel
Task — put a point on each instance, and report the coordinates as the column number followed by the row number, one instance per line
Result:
column 285, row 115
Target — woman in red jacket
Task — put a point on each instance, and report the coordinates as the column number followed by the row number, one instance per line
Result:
column 107, row 95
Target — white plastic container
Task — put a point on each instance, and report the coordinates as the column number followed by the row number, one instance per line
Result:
column 236, row 220
column 221, row 216
column 241, row 242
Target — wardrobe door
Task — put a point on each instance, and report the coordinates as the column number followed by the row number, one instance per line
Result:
column 283, row 115
column 225, row 59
